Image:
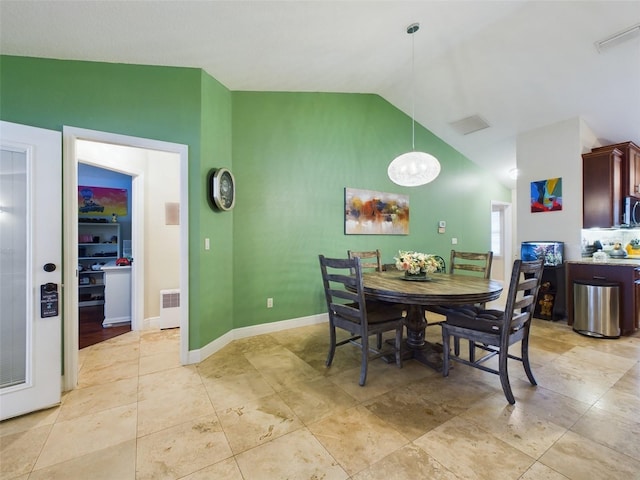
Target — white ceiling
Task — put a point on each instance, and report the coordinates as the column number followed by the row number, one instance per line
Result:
column 518, row 64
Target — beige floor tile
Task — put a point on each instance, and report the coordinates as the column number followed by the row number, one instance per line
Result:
column 317, row 399
column 409, row 412
column 156, row 384
column 407, row 462
column 618, row 432
column 181, row 450
column 224, row 470
column 83, row 401
column 30, row 421
column 295, row 455
column 159, row 341
column 226, row 362
column 579, row 458
column 110, row 371
column 159, row 362
column 167, row 408
column 83, row 435
column 381, row 378
column 358, row 438
column 538, row 471
column 547, row 404
column 235, row 390
column 471, row 452
column 257, row 422
column 19, row 451
column 619, row 401
column 117, row 462
column 515, row 424
column 281, row 368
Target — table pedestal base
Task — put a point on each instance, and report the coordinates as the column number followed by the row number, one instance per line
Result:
column 415, row 346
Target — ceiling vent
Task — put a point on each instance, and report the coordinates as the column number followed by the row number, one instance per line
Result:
column 468, row 125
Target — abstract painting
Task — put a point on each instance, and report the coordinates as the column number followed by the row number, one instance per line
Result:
column 367, row 212
column 546, row 195
column 102, row 201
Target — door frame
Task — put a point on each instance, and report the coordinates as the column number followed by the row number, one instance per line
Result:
column 507, row 236
column 70, row 231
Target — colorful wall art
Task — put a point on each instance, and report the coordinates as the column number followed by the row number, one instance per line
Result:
column 367, row 212
column 101, row 201
column 546, row 195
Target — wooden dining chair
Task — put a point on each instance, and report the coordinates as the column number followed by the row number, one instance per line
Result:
column 494, row 331
column 368, row 260
column 349, row 311
column 471, row 262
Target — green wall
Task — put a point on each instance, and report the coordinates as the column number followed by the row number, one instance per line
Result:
column 292, row 155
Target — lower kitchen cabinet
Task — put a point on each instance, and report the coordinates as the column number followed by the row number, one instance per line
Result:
column 626, row 275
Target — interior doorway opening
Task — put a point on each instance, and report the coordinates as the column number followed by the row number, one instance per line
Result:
column 76, row 142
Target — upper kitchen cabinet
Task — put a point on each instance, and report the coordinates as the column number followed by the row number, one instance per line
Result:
column 630, row 166
column 602, row 188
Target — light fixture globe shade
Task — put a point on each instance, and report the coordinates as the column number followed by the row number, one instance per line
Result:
column 412, row 169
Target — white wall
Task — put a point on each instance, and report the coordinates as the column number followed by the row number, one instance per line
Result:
column 550, row 152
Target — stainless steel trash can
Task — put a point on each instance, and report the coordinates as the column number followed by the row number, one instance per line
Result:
column 596, row 308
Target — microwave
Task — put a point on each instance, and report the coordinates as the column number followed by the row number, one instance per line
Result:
column 631, row 212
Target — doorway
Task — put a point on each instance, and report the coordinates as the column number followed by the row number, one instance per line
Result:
column 501, row 238
column 104, row 238
column 74, row 141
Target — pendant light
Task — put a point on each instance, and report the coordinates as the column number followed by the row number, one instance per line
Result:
column 413, row 168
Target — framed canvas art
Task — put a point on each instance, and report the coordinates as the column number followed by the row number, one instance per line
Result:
column 546, row 195
column 367, row 212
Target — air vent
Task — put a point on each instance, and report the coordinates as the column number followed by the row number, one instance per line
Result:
column 468, row 125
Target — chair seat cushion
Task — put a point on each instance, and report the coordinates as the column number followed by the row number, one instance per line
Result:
column 481, row 320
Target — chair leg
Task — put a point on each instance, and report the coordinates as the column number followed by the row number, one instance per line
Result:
column 472, row 351
column 365, row 360
column 332, row 344
column 504, row 377
column 525, row 360
column 445, row 352
column 399, row 347
column 456, row 346
column 379, row 341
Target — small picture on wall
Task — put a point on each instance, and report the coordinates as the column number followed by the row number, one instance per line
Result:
column 546, row 195
column 101, row 201
column 367, row 212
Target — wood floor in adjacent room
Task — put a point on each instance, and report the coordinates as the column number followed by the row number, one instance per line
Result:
column 90, row 329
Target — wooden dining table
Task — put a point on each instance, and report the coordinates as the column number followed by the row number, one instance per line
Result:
column 439, row 289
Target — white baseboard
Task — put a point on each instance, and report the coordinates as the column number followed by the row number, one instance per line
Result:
column 151, row 322
column 196, row 356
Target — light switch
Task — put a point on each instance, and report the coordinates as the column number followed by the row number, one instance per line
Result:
column 207, row 244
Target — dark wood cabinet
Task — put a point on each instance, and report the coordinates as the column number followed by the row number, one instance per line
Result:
column 602, row 188
column 630, row 154
column 628, row 276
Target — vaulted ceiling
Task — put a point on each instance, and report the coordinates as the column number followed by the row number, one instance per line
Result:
column 519, row 64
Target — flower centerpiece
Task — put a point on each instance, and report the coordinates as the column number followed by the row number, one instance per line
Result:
column 416, row 264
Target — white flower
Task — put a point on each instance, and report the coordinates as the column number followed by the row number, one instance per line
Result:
column 416, row 262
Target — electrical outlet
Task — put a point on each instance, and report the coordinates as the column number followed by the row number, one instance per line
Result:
column 454, row 241
column 269, row 302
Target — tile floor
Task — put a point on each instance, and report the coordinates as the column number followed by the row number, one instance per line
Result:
column 267, row 408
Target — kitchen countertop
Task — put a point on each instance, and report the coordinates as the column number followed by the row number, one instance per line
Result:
column 633, row 260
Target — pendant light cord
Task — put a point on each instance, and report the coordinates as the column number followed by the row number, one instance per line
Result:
column 412, row 30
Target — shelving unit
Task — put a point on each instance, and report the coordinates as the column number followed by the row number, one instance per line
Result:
column 98, row 243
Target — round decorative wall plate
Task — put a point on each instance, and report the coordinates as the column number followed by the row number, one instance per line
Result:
column 223, row 189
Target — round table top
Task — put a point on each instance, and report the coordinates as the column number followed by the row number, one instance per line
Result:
column 440, row 289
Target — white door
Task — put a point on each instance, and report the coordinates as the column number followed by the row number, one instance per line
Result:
column 30, row 268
